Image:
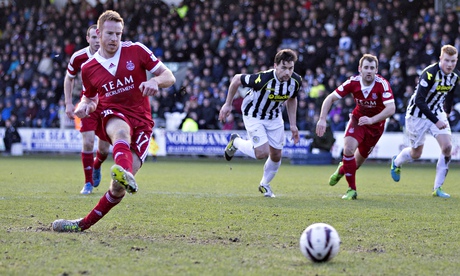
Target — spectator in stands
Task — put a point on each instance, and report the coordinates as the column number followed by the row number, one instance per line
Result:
column 11, row 136
column 19, row 110
column 7, row 110
column 46, row 65
column 190, row 123
column 43, row 114
column 166, row 101
column 454, row 119
column 345, row 41
column 9, row 97
column 2, row 122
column 337, row 109
column 393, row 125
column 312, row 111
column 208, row 114
column 337, row 123
column 53, row 118
column 230, row 123
column 348, row 105
column 158, row 113
column 302, row 115
column 31, row 114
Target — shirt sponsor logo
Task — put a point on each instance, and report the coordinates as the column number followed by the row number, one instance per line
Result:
column 278, row 98
column 443, row 88
column 118, row 86
column 366, row 103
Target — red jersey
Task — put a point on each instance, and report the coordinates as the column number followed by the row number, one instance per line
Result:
column 116, row 80
column 76, row 60
column 370, row 100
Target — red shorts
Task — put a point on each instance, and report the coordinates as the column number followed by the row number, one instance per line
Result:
column 141, row 131
column 93, row 123
column 367, row 136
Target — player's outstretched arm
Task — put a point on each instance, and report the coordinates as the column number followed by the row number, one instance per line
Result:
column 232, row 89
column 291, row 108
column 68, row 86
column 327, row 104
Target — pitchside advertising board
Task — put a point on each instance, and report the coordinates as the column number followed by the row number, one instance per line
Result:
column 212, row 143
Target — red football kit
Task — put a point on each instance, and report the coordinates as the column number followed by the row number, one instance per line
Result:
column 370, row 100
column 93, row 121
column 115, row 81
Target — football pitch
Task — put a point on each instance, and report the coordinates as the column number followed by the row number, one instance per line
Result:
column 205, row 216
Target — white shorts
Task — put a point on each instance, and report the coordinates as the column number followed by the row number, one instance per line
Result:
column 263, row 131
column 418, row 127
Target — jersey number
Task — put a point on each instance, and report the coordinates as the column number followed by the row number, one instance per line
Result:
column 141, row 140
column 107, row 112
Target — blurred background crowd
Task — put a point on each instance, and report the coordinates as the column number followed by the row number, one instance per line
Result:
column 210, row 41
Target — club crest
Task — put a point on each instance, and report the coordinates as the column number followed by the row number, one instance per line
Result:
column 130, row 65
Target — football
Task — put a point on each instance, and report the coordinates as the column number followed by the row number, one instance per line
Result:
column 319, row 242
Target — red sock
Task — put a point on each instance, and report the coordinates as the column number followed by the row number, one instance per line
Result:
column 349, row 169
column 99, row 160
column 122, row 155
column 107, row 202
column 87, row 161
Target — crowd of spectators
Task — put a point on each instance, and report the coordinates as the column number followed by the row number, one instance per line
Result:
column 218, row 39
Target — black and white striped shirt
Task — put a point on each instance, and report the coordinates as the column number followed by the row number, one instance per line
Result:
column 434, row 93
column 267, row 94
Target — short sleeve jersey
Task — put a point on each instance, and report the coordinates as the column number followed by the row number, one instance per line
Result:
column 267, row 95
column 116, row 80
column 76, row 61
column 370, row 100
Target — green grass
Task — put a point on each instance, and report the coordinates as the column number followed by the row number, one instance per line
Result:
column 206, row 217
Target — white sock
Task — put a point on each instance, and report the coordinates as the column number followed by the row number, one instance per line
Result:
column 245, row 146
column 442, row 167
column 403, row 157
column 270, row 170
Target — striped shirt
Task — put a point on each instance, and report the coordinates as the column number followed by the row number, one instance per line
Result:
column 267, row 94
column 434, row 93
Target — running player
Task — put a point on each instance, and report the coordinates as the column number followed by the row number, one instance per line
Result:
column 374, row 103
column 427, row 113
